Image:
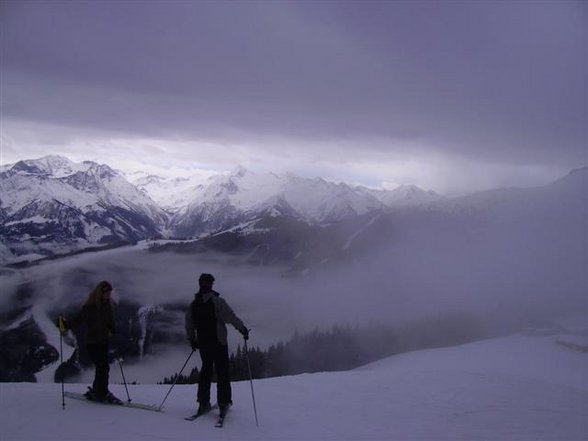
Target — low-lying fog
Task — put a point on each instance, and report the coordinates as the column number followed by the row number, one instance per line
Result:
column 416, row 277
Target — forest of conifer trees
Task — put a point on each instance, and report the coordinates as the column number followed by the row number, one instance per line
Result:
column 345, row 347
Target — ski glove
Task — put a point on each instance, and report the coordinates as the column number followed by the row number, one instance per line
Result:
column 244, row 332
column 61, row 324
column 194, row 344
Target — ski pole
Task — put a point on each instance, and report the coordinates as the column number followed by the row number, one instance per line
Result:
column 61, row 331
column 123, row 377
column 251, row 383
column 176, row 380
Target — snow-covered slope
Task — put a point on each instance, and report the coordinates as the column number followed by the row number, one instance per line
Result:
column 514, row 388
column 170, row 193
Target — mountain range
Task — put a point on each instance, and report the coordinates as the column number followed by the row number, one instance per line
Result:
column 52, row 205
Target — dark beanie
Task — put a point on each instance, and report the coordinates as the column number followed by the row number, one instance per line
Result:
column 205, row 279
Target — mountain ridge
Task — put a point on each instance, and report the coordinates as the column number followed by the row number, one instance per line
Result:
column 52, row 205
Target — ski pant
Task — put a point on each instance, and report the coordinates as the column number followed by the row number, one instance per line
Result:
column 214, row 356
column 99, row 356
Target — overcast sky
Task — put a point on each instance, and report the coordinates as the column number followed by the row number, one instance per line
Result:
column 453, row 96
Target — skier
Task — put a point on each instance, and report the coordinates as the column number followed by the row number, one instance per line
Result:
column 206, row 331
column 96, row 315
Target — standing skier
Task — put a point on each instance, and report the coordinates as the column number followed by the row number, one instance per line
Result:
column 96, row 315
column 206, row 330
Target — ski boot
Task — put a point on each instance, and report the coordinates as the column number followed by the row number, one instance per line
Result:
column 203, row 408
column 223, row 409
column 92, row 396
column 111, row 399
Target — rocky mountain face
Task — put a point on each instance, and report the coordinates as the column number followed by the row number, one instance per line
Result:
column 52, row 206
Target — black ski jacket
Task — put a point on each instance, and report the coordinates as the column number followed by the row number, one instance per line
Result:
column 98, row 320
column 222, row 314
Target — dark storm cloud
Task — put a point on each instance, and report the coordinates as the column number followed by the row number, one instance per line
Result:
column 500, row 82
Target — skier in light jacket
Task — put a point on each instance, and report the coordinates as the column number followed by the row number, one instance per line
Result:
column 206, row 329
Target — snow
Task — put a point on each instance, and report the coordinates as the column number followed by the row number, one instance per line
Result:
column 106, row 185
column 404, row 195
column 320, row 200
column 512, row 388
column 18, row 191
column 33, row 219
column 358, row 232
column 169, row 193
column 19, row 321
column 244, row 228
column 247, row 191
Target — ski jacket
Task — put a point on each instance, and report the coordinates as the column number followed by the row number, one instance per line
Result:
column 98, row 320
column 220, row 312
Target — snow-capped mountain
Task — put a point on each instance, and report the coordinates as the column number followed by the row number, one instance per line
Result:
column 226, row 200
column 467, row 231
column 53, row 205
column 404, row 195
column 169, row 193
column 313, row 199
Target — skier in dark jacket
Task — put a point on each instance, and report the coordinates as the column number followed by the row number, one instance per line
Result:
column 96, row 315
column 206, row 330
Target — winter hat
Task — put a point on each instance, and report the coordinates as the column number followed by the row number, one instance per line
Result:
column 205, row 279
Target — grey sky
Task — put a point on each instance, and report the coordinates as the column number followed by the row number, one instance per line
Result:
column 450, row 95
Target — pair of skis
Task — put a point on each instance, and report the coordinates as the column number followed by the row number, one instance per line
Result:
column 220, row 420
column 82, row 397
column 219, row 423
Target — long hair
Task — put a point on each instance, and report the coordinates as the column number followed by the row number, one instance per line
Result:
column 95, row 296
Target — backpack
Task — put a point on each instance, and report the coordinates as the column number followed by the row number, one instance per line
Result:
column 204, row 317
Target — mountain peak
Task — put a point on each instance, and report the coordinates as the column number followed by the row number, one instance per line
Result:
column 51, row 165
column 56, row 160
column 239, row 172
column 26, row 167
column 406, row 187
